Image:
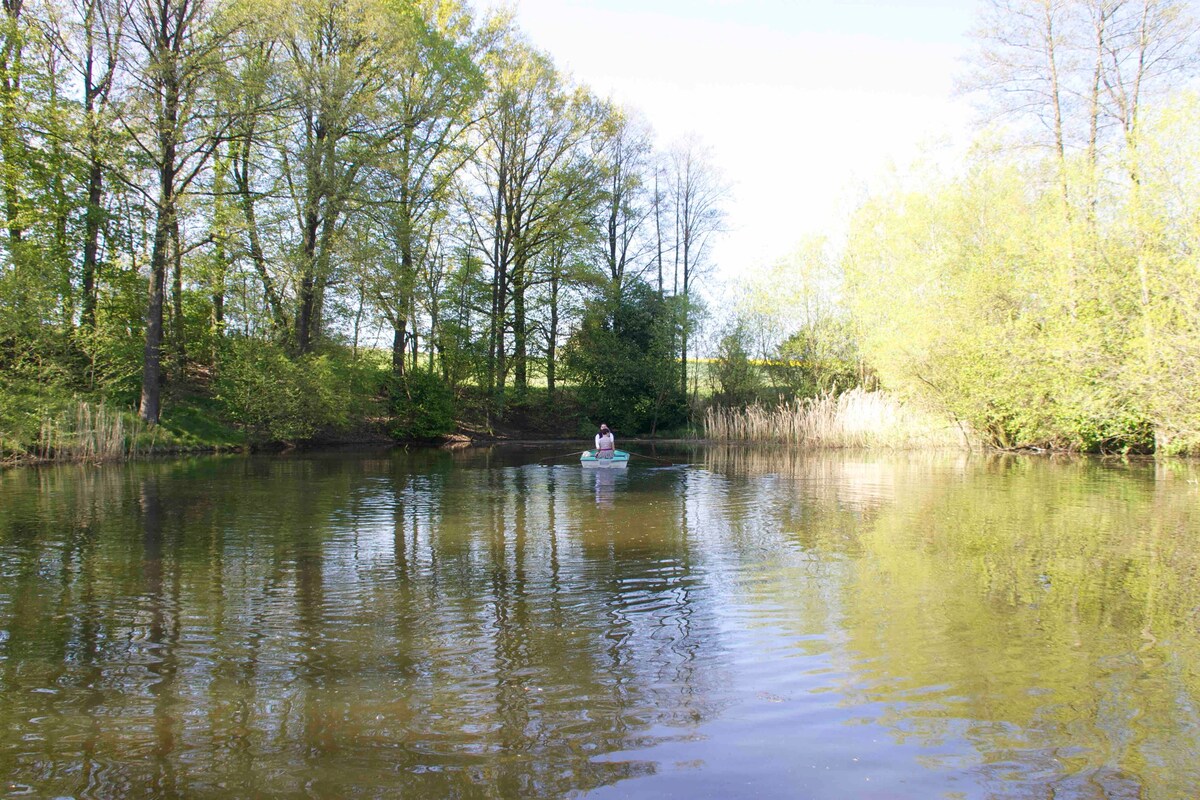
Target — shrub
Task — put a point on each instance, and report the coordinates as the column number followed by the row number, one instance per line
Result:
column 624, row 360
column 737, row 377
column 278, row 398
column 423, row 406
column 820, row 358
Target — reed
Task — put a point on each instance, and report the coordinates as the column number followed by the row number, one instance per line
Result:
column 87, row 432
column 857, row 418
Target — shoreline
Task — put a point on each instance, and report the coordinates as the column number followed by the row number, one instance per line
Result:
column 463, row 441
column 450, row 441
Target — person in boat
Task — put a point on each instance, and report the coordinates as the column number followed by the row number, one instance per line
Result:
column 605, row 444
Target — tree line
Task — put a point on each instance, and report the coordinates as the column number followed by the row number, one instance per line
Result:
column 245, row 198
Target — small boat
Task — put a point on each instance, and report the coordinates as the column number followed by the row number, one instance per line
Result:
column 620, row 460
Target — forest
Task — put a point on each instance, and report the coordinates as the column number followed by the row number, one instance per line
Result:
column 232, row 223
column 296, row 218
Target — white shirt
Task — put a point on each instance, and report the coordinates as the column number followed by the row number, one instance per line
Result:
column 605, row 444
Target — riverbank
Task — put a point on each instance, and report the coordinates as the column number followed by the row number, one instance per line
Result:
column 42, row 428
column 82, row 431
column 79, row 430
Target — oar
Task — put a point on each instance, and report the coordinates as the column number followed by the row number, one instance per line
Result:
column 574, row 453
column 652, row 458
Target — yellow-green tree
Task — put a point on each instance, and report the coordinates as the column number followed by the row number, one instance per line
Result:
column 1039, row 326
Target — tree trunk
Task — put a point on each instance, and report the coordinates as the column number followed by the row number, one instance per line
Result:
column 520, row 339
column 178, row 343
column 306, row 308
column 151, row 402
column 687, row 311
column 658, row 231
column 241, row 175
column 434, row 338
column 415, row 344
column 61, row 254
column 93, row 217
column 497, row 363
column 10, row 145
column 95, row 92
column 1100, row 28
column 552, row 336
column 493, row 335
column 495, row 360
column 221, row 270
column 164, row 224
column 404, row 302
column 399, row 339
column 616, row 266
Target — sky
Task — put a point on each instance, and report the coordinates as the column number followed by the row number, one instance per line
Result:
column 804, row 103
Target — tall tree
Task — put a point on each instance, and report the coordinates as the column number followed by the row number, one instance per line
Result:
column 1072, row 70
column 1081, row 72
column 622, row 355
column 435, row 91
column 339, row 61
column 13, row 33
column 179, row 47
column 1149, row 44
column 658, row 200
column 255, row 112
column 529, row 181
column 625, row 145
column 91, row 39
column 1028, row 63
column 698, row 195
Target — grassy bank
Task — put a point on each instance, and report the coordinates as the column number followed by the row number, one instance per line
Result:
column 47, row 423
column 83, row 430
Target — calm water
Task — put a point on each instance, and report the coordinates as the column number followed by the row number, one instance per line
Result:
column 755, row 624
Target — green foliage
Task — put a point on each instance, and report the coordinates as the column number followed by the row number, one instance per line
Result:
column 1043, row 324
column 100, row 197
column 32, row 412
column 624, row 360
column 423, row 406
column 737, row 378
column 820, row 358
column 956, row 292
column 113, row 347
column 24, row 405
column 543, row 414
column 463, row 353
column 793, row 317
column 277, row 398
column 197, row 423
column 1046, row 303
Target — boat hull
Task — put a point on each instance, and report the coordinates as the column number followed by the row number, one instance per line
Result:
column 620, row 460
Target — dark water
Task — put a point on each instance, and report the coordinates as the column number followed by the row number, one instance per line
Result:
column 758, row 624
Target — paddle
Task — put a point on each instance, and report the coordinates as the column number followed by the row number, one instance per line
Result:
column 572, row 454
column 652, row 458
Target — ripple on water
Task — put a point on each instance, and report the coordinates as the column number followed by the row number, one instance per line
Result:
column 776, row 626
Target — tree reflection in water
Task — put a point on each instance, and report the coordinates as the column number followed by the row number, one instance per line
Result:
column 459, row 625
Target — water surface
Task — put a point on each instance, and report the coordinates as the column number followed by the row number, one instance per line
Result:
column 472, row 624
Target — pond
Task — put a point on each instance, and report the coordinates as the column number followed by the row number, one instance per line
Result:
column 740, row 623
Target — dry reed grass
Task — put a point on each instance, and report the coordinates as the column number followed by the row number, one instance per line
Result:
column 88, row 432
column 856, row 418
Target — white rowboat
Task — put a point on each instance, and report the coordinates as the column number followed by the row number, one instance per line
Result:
column 619, row 460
